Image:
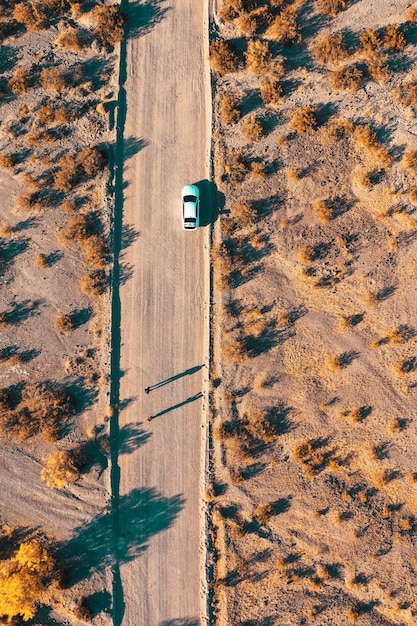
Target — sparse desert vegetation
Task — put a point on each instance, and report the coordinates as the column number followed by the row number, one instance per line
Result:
column 313, row 334
column 54, row 240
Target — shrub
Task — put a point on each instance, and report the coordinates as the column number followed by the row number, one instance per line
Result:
column 370, row 43
column 229, row 109
column 46, row 114
column 91, row 160
column 234, row 350
column 19, row 83
column 31, row 15
column 69, row 40
column 409, row 161
column 246, row 24
column 243, row 213
column 412, row 15
column 394, row 39
column 364, row 137
column 258, row 170
column 304, row 120
column 346, row 78
column 234, row 166
column 95, row 250
column 406, row 93
column 42, row 261
column 271, row 92
column 258, row 57
column 110, row 25
column 64, row 323
column 329, row 48
column 59, row 470
column 285, row 27
column 331, row 7
column 263, row 513
column 252, row 128
column 223, row 57
column 378, row 70
column 22, row 581
column 83, row 610
column 66, row 177
column 53, row 79
column 7, row 160
column 93, row 284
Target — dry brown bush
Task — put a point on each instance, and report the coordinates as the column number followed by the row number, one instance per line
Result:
column 263, row 513
column 329, row 48
column 229, row 109
column 68, row 206
column 64, row 323
column 370, row 43
column 31, row 14
column 285, row 27
column 110, row 25
column 252, row 128
column 406, row 93
column 29, row 202
column 37, row 137
column 7, row 160
column 323, row 210
column 19, row 83
column 258, row 170
column 66, row 177
column 46, row 114
column 364, row 137
column 234, row 350
column 331, row 7
column 63, row 115
column 246, row 24
column 412, row 15
column 93, row 284
column 95, row 250
column 91, row 160
column 42, row 261
column 59, row 470
column 223, row 57
column 70, row 39
column 409, row 161
column 304, row 120
column 307, row 254
column 394, row 39
column 378, row 70
column 229, row 9
column 347, row 78
column 234, row 166
column 412, row 195
column 335, row 129
column 271, row 92
column 53, row 79
column 258, row 58
column 243, row 212
column 310, row 455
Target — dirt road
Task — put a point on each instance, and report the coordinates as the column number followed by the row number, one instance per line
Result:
column 164, row 319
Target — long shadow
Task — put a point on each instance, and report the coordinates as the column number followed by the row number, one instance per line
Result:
column 210, row 202
column 167, row 381
column 146, row 513
column 141, row 17
column 187, row 621
column 179, row 405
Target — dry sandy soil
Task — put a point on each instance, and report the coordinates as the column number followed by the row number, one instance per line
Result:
column 42, row 121
column 314, row 378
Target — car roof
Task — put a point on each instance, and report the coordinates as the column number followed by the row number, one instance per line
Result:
column 190, row 190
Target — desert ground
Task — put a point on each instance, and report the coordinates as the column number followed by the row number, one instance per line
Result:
column 313, row 439
column 105, row 115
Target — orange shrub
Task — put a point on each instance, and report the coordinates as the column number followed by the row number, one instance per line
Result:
column 223, row 57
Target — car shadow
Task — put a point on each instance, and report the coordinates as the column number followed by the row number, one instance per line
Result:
column 212, row 202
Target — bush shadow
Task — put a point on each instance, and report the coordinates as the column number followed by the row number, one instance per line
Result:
column 146, row 513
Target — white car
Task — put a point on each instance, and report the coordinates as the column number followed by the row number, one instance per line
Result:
column 190, row 200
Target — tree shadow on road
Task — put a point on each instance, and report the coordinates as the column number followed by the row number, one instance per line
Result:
column 142, row 16
column 145, row 513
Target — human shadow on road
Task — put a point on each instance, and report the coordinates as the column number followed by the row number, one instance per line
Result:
column 179, row 405
column 212, row 202
column 189, row 372
column 145, row 513
column 142, row 16
column 181, row 621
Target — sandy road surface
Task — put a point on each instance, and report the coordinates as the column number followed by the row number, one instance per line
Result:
column 164, row 318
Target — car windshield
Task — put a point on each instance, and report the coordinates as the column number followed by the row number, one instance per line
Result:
column 190, row 199
column 189, row 220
